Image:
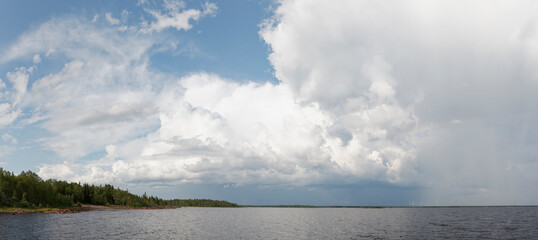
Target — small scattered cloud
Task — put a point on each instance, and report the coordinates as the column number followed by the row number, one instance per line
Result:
column 8, row 138
column 19, row 79
column 176, row 16
column 141, row 2
column 8, row 114
column 36, row 58
column 456, row 121
column 210, row 9
column 111, row 20
column 60, row 171
column 6, row 150
column 124, row 15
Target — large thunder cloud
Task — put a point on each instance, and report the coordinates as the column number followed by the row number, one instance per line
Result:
column 414, row 93
column 465, row 70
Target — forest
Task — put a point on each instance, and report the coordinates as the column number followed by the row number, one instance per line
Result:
column 28, row 190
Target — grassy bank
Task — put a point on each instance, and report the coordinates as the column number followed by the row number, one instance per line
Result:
column 15, row 210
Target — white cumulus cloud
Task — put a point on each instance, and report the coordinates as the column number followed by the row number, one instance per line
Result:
column 216, row 130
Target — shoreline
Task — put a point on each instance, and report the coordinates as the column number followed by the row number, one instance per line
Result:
column 85, row 207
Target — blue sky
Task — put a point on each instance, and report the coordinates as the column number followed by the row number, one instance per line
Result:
column 239, row 52
column 276, row 102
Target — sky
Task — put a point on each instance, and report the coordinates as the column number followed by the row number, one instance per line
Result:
column 349, row 102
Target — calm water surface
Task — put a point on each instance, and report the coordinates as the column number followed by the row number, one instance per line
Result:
column 278, row 223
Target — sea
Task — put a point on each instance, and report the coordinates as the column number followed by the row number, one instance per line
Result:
column 278, row 223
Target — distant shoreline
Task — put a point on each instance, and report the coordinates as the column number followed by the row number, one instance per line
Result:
column 92, row 207
column 380, row 207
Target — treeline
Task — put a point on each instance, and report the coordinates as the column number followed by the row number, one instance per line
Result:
column 28, row 190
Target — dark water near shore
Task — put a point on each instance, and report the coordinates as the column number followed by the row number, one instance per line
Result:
column 278, row 223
